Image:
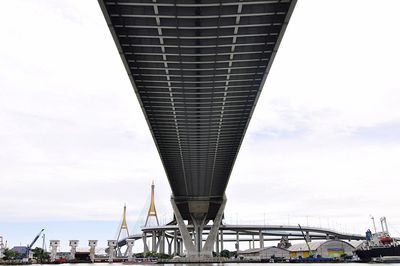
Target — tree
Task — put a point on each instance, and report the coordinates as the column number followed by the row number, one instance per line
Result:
column 225, row 253
column 9, row 254
column 40, row 255
column 150, row 254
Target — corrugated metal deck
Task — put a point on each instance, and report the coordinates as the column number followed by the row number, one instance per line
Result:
column 198, row 67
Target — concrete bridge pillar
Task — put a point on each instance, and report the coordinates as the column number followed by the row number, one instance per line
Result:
column 180, row 247
column 112, row 244
column 196, row 249
column 54, row 245
column 217, row 245
column 162, row 242
column 175, row 243
column 130, row 243
column 237, row 242
column 169, row 247
column 261, row 239
column 92, row 251
column 73, row 244
column 145, row 247
column 222, row 239
column 153, row 241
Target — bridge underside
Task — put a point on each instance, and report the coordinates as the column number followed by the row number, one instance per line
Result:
column 197, row 67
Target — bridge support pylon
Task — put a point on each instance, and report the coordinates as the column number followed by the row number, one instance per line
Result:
column 195, row 250
column 92, row 249
column 54, row 245
column 73, row 244
column 130, row 243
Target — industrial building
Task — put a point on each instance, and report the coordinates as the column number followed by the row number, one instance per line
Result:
column 21, row 250
column 322, row 249
column 261, row 254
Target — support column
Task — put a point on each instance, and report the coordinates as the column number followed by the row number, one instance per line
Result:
column 178, row 246
column 73, row 244
column 92, row 252
column 198, row 223
column 212, row 236
column 129, row 243
column 162, row 242
column 190, row 248
column 175, row 243
column 153, row 242
column 145, row 247
column 169, row 248
column 222, row 239
column 261, row 239
column 252, row 237
column 181, row 247
column 198, row 217
column 112, row 244
column 217, row 245
column 237, row 242
column 54, row 245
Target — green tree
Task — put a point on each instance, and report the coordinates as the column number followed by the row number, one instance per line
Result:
column 9, row 254
column 40, row 255
column 150, row 254
column 225, row 253
column 139, row 255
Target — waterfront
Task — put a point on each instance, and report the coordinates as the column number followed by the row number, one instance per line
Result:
column 226, row 264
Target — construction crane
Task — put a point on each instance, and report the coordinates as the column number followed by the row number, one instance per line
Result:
column 311, row 255
column 33, row 243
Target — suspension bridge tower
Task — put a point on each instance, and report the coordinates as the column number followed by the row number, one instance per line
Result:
column 152, row 212
column 124, row 225
column 152, row 209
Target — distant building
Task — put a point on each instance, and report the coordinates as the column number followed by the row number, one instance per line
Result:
column 266, row 253
column 322, row 249
column 22, row 250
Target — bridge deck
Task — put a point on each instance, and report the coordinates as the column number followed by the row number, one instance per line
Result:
column 197, row 67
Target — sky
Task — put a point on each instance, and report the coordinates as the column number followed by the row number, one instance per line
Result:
column 322, row 148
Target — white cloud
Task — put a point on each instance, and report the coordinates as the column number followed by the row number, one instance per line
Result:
column 74, row 140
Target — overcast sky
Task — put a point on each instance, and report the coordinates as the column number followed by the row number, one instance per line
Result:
column 323, row 146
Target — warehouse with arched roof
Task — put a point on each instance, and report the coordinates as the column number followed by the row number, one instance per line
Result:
column 323, row 249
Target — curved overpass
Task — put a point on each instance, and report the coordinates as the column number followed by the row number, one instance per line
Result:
column 271, row 230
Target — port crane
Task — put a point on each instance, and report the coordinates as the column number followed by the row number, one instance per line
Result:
column 33, row 243
column 311, row 255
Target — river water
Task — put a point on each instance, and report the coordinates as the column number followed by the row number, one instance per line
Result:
column 226, row 264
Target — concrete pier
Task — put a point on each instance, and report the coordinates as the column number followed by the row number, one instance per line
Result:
column 112, row 244
column 92, row 249
column 195, row 249
column 130, row 243
column 54, row 245
column 73, row 244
